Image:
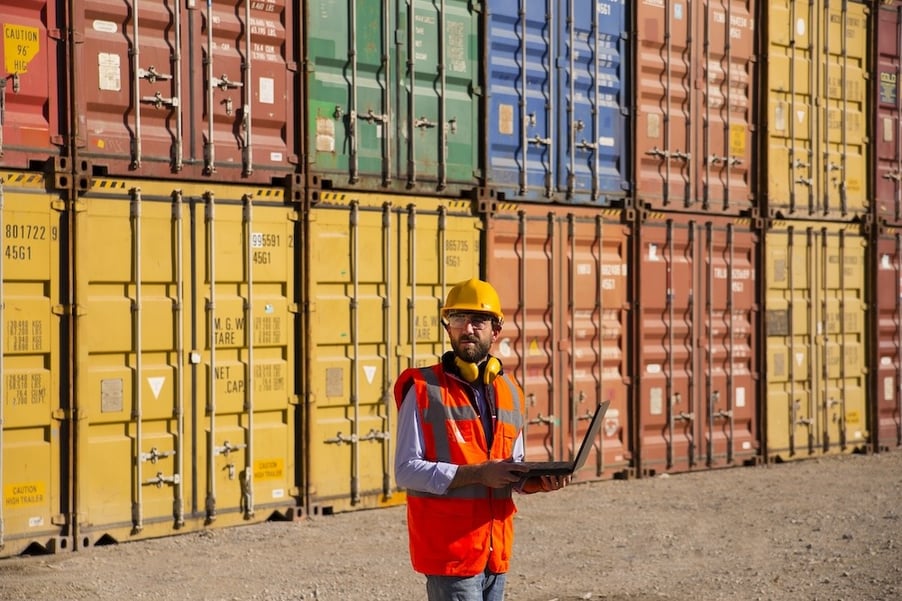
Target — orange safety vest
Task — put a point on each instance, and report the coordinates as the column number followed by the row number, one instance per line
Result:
column 470, row 528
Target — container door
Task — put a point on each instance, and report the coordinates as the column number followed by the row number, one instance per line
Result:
column 887, row 132
column 350, row 125
column 185, row 337
column 131, row 120
column 664, row 106
column 816, row 340
column 816, row 117
column 33, row 446
column 245, row 53
column 696, row 361
column 562, row 277
column 33, row 90
column 590, row 55
column 887, row 401
column 131, row 464
column 439, row 132
column 243, row 352
column 180, row 92
column 378, row 269
column 696, row 70
column 520, row 104
column 726, row 66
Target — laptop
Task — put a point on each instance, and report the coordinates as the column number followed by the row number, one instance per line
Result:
column 566, row 468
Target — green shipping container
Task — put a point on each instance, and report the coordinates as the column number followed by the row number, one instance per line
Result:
column 378, row 269
column 390, row 92
column 816, row 329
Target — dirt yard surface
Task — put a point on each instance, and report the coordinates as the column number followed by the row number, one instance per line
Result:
column 825, row 529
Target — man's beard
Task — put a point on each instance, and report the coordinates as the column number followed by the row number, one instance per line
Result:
column 474, row 354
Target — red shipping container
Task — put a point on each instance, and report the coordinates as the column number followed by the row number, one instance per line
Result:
column 32, row 85
column 201, row 91
column 888, row 130
column 695, row 70
column 562, row 276
column 886, row 397
column 696, row 343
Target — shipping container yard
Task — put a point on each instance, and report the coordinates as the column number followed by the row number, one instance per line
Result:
column 228, row 227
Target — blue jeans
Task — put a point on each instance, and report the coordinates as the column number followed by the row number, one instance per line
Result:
column 481, row 587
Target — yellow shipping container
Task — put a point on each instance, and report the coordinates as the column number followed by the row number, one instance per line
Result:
column 378, row 268
column 817, row 118
column 32, row 406
column 185, row 338
column 816, row 328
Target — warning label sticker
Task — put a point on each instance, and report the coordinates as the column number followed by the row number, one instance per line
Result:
column 20, row 44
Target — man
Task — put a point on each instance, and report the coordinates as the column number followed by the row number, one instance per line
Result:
column 460, row 434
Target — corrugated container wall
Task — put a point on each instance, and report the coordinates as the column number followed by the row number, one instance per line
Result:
column 562, row 273
column 888, row 126
column 816, row 119
column 886, row 401
column 695, row 76
column 696, row 352
column 187, row 91
column 185, row 340
column 34, row 479
column 391, row 96
column 558, row 101
column 377, row 270
column 816, row 339
column 33, row 85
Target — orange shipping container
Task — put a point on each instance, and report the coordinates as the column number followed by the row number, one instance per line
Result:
column 696, row 344
column 695, row 73
column 562, row 276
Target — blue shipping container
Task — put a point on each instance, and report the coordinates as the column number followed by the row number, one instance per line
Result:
column 557, row 117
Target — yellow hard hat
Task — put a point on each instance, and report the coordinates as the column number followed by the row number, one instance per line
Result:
column 473, row 295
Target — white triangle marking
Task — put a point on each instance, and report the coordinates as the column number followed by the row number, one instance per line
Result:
column 156, row 385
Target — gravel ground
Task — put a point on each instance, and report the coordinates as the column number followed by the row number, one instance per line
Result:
column 824, row 529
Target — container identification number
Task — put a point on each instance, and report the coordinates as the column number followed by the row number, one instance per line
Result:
column 22, row 234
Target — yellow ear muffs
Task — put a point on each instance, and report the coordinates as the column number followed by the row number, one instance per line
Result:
column 492, row 369
column 470, row 371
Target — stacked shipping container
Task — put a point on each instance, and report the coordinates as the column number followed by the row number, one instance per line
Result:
column 695, row 266
column 816, row 193
column 227, row 227
column 886, row 257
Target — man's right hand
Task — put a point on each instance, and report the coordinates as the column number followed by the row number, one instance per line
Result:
column 495, row 473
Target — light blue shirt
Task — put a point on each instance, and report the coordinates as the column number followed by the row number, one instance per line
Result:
column 411, row 470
